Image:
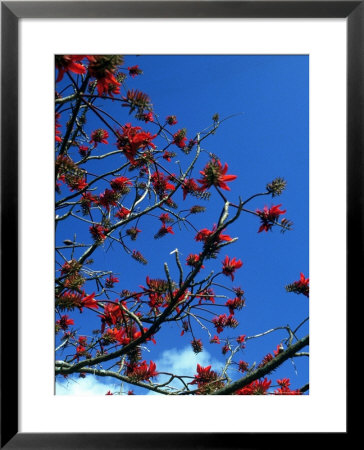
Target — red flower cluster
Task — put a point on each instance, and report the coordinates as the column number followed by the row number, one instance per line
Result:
column 163, row 230
column 141, row 371
column 257, row 387
column 86, row 201
column 69, row 300
column 206, row 295
column 230, row 265
column 268, row 216
column 110, row 281
column 132, row 139
column 197, row 346
column 103, row 68
column 64, row 322
column 285, row 388
column 204, row 234
column 99, row 136
column 69, row 63
column 111, row 315
column 84, row 151
column 179, row 138
column 122, row 213
column 192, row 260
column 57, row 125
column 241, row 340
column 215, row 340
column 133, row 232
column 171, row 120
column 161, row 184
column 300, row 287
column 215, row 175
column 222, row 321
column 243, row 366
column 121, row 184
column 98, row 232
column 235, row 303
column 108, row 198
column 134, row 71
column 189, row 186
column 207, row 380
column 204, row 375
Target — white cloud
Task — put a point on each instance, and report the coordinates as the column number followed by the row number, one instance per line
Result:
column 84, row 386
column 183, row 362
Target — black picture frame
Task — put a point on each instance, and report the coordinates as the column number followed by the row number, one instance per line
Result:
column 11, row 12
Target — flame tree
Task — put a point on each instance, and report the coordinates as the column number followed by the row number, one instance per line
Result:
column 121, row 171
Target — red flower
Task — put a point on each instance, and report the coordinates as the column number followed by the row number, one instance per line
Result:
column 99, row 136
column 111, row 315
column 131, row 140
column 89, row 302
column 225, row 349
column 197, row 346
column 134, row 71
column 109, row 198
column 192, row 260
column 220, row 322
column 207, row 295
column 215, row 340
column 185, row 327
column 268, row 216
column 257, row 387
column 141, row 371
column 147, row 117
column 163, row 231
column 243, row 366
column 171, row 120
column 287, row 391
column 164, row 217
column 58, row 139
column 180, row 139
column 168, row 155
column 233, row 304
column 207, row 380
column 64, row 322
column 83, row 150
column 204, row 234
column 65, row 63
column 122, row 213
column 204, row 375
column 267, row 358
column 76, row 183
column 102, row 67
column 230, row 265
column 86, row 201
column 121, row 184
column 300, row 287
column 215, row 175
column 133, row 232
column 278, row 350
column 284, row 382
column 139, row 257
column 110, row 281
column 98, row 232
column 241, row 340
column 189, row 186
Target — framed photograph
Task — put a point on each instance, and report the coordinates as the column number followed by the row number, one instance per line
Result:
column 175, row 268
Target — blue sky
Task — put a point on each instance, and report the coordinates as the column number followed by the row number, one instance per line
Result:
column 266, row 137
